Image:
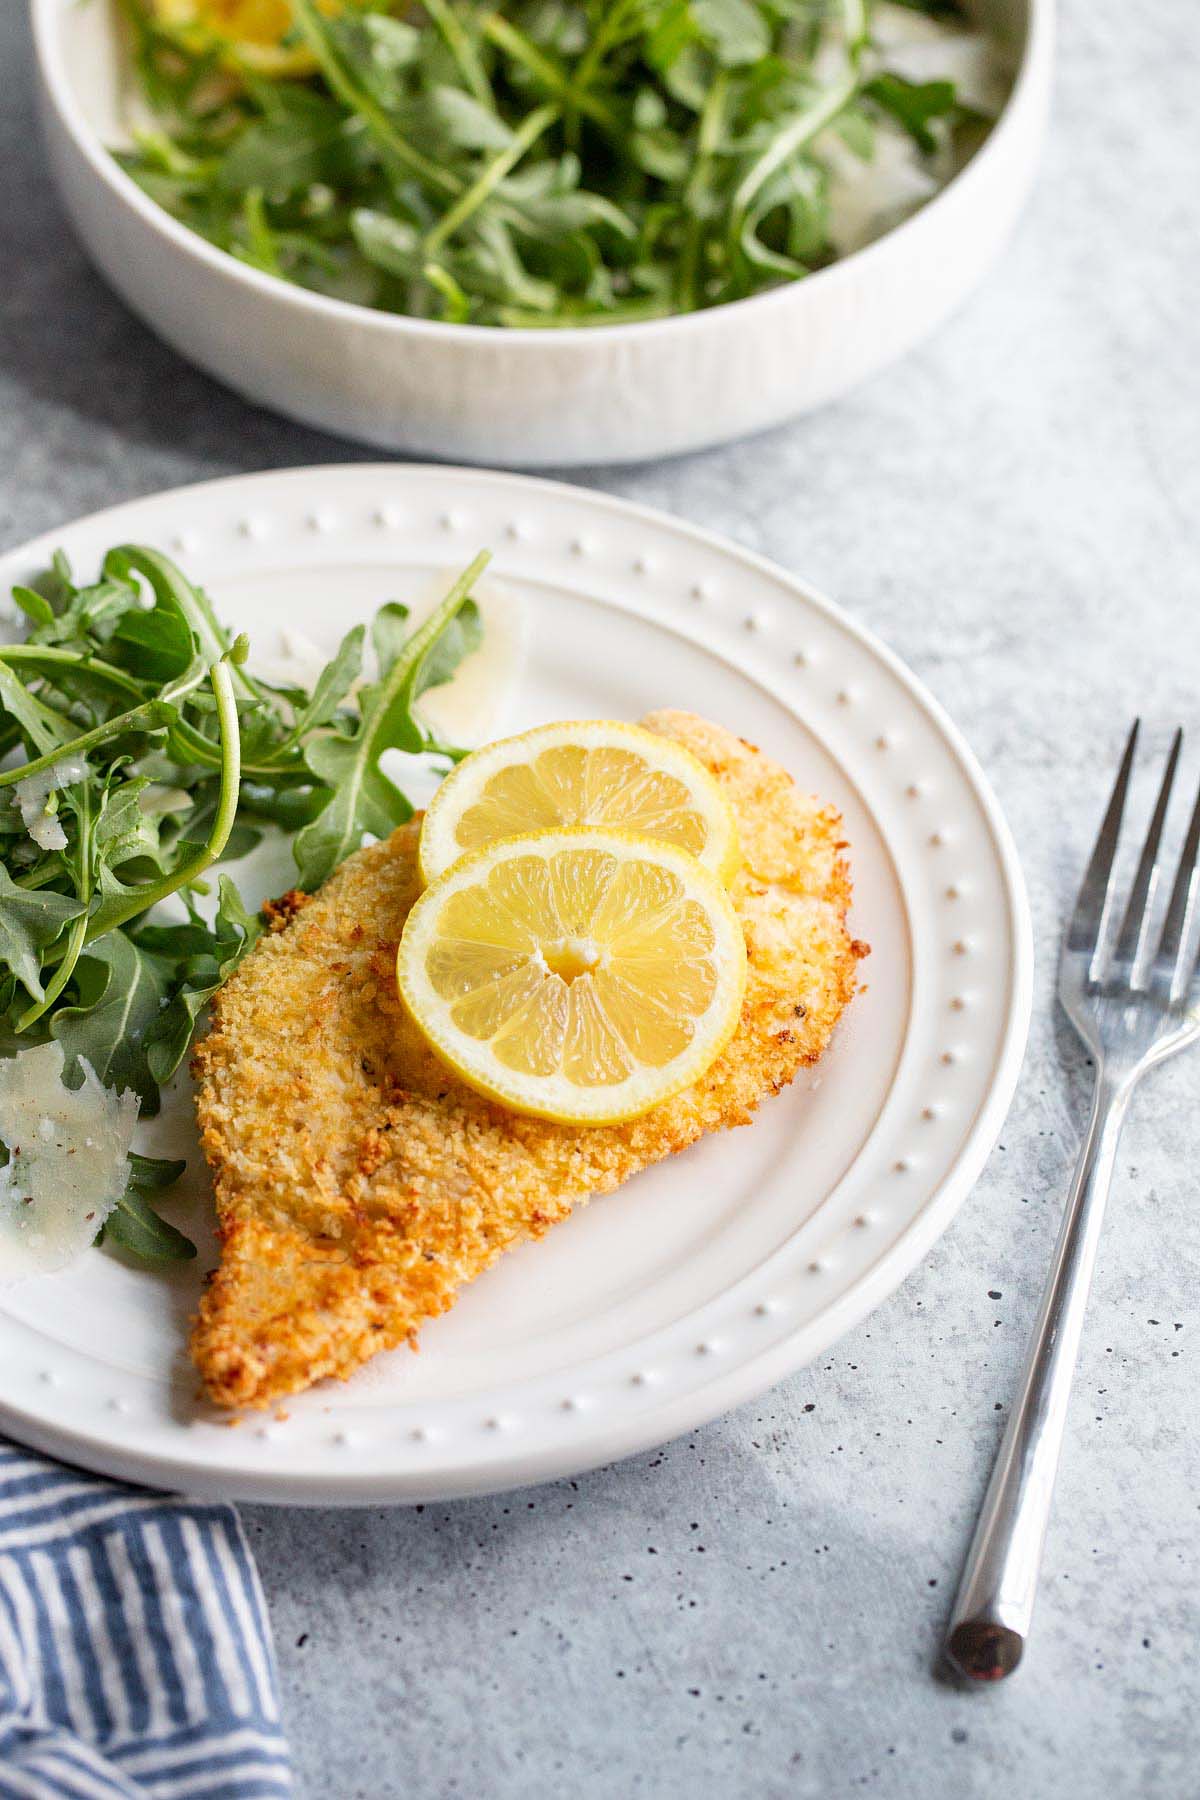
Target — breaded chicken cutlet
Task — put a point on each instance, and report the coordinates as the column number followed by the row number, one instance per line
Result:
column 360, row 1185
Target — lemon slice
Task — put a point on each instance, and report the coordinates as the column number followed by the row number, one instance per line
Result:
column 256, row 35
column 582, row 976
column 598, row 773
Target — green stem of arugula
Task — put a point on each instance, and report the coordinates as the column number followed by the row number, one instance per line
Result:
column 409, row 663
column 358, row 100
column 606, row 34
column 801, row 131
column 159, row 149
column 50, row 658
column 813, row 120
column 581, row 76
column 175, row 594
column 457, row 306
column 261, row 250
column 708, row 136
column 506, row 37
column 118, row 912
column 500, row 165
column 77, row 936
column 199, row 749
column 406, row 670
column 856, row 27
column 463, row 51
column 152, row 713
column 66, row 968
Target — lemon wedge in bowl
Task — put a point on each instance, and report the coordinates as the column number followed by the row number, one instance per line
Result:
column 597, row 773
column 582, row 976
column 258, row 36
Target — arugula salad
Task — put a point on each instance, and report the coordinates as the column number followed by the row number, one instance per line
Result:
column 548, row 162
column 137, row 750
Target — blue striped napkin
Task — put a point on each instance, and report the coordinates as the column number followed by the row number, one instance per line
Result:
column 135, row 1652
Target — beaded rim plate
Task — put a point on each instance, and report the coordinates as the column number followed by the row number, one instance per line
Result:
column 706, row 1279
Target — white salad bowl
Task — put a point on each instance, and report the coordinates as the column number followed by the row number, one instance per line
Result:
column 607, row 393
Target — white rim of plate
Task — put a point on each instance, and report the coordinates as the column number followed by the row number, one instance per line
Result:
column 730, row 1349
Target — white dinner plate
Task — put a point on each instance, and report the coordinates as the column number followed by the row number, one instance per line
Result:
column 702, row 1280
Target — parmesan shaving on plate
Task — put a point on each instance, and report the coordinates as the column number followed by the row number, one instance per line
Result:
column 467, row 708
column 296, row 661
column 33, row 795
column 68, row 1160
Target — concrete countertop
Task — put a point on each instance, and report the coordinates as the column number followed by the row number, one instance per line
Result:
column 753, row 1610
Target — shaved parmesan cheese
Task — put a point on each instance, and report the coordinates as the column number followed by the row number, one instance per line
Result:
column 68, row 1160
column 971, row 63
column 926, row 49
column 464, row 710
column 467, row 708
column 297, row 662
column 32, row 795
column 868, row 198
column 894, row 26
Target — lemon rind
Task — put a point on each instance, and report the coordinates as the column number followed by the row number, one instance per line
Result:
column 437, row 852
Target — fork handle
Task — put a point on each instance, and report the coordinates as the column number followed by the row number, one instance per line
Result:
column 994, row 1605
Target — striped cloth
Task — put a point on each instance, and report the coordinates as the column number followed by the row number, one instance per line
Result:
column 135, row 1652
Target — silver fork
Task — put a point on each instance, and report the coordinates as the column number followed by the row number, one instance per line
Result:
column 1130, row 1002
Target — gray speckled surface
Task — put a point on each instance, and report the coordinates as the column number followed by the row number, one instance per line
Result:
column 752, row 1611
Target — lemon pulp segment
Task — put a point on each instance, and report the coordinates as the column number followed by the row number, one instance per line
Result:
column 580, row 975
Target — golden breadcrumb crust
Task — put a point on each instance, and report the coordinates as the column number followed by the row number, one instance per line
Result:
column 360, row 1184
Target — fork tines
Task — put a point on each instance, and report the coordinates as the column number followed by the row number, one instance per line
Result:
column 1134, row 960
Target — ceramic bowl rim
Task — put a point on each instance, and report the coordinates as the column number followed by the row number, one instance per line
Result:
column 1035, row 49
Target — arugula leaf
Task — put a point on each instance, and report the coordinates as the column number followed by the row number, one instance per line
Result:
column 86, row 613
column 158, row 646
column 362, row 799
column 392, row 243
column 154, row 1173
column 34, row 605
column 332, row 685
column 30, row 919
column 45, row 729
column 463, row 121
column 391, row 44
column 119, row 992
column 914, row 104
column 303, row 141
column 215, row 953
column 462, row 633
column 737, row 30
column 133, row 1225
column 126, row 831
